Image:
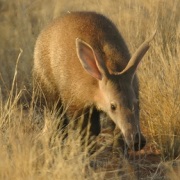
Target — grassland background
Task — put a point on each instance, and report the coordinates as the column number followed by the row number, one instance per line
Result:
column 20, row 24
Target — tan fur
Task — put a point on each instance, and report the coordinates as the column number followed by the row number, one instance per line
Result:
column 60, row 67
column 55, row 53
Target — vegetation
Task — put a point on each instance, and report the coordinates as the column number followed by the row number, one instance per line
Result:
column 29, row 151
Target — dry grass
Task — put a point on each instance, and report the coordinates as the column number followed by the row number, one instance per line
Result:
column 26, row 151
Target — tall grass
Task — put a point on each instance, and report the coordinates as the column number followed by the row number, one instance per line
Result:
column 31, row 147
column 160, row 92
column 25, row 149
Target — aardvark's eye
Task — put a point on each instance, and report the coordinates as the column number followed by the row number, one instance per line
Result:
column 113, row 107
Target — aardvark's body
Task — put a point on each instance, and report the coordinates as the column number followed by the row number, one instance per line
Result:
column 82, row 59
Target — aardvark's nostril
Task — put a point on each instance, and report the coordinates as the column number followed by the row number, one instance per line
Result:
column 139, row 142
